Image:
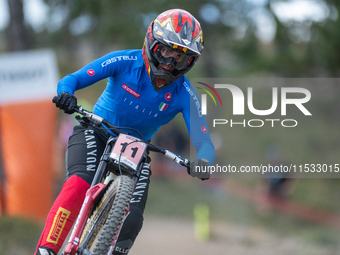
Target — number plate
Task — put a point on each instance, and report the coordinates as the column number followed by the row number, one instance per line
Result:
column 133, row 152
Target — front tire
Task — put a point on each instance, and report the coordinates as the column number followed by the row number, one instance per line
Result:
column 106, row 220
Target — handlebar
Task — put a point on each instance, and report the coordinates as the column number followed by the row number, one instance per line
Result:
column 116, row 130
column 90, row 115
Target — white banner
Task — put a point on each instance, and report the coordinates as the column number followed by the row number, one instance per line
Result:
column 28, row 76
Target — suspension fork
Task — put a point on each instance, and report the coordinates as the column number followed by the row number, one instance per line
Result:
column 92, row 195
column 103, row 162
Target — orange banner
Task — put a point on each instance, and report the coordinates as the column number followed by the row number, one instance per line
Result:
column 27, row 133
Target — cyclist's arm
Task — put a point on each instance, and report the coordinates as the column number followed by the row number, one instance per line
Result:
column 197, row 126
column 104, row 67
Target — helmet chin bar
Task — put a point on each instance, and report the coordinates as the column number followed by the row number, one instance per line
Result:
column 163, row 75
column 161, row 83
column 161, row 79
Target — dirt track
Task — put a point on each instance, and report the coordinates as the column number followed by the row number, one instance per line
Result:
column 173, row 236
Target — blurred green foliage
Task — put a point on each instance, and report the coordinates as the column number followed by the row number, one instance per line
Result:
column 298, row 48
column 18, row 235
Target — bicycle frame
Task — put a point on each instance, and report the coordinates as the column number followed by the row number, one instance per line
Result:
column 98, row 186
column 92, row 196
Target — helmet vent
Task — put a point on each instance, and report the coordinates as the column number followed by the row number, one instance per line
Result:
column 186, row 41
column 168, row 27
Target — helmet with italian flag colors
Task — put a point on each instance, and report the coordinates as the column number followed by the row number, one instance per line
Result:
column 172, row 31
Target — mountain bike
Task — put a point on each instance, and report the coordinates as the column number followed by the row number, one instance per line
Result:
column 106, row 203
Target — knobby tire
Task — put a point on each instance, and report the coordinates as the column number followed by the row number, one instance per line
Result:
column 105, row 221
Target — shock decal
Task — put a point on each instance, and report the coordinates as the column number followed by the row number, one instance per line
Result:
column 58, row 225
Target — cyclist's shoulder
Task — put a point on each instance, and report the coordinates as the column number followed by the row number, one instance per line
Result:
column 184, row 85
column 134, row 54
column 125, row 57
column 128, row 52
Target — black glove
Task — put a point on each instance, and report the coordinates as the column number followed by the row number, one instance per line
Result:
column 66, row 102
column 199, row 169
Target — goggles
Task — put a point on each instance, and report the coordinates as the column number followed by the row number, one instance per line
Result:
column 167, row 56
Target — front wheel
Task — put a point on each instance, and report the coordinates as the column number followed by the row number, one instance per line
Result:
column 106, row 220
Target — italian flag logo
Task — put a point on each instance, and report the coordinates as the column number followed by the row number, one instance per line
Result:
column 162, row 106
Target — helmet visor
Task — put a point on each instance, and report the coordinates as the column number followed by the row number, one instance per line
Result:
column 167, row 56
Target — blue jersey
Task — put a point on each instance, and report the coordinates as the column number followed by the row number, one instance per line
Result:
column 130, row 100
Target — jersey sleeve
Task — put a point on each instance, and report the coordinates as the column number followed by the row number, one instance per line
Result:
column 104, row 67
column 196, row 124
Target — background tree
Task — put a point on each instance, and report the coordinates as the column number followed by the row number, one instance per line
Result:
column 17, row 32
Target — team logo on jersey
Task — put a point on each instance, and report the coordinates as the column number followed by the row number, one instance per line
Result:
column 130, row 90
column 162, row 106
column 168, row 96
column 204, row 129
column 90, row 72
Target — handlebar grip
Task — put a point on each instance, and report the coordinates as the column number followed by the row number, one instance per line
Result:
column 78, row 108
column 54, row 100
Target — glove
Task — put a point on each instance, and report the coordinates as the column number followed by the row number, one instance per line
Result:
column 66, row 102
column 199, row 169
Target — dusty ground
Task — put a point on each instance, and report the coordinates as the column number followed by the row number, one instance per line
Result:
column 173, row 236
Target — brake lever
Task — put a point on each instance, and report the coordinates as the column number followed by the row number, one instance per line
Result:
column 85, row 122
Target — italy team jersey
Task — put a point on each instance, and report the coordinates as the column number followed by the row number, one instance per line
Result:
column 130, row 100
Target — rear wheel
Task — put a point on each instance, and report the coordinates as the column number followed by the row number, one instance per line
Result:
column 105, row 222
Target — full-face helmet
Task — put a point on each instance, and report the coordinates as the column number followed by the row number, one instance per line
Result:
column 174, row 38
